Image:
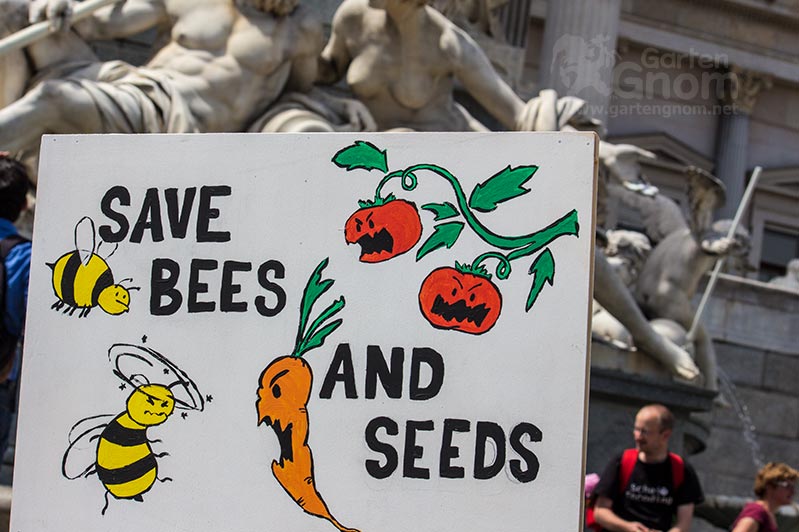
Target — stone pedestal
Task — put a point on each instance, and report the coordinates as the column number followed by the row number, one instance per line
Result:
column 616, row 395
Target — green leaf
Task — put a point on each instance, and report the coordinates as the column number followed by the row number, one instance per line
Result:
column 326, row 314
column 361, row 155
column 318, row 338
column 313, row 291
column 503, row 186
column 442, row 211
column 542, row 270
column 445, row 235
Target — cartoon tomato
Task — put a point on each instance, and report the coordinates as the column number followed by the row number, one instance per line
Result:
column 460, row 299
column 384, row 230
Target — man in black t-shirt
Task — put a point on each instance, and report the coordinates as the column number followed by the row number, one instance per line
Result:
column 660, row 491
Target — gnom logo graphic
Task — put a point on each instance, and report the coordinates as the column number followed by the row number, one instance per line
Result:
column 578, row 63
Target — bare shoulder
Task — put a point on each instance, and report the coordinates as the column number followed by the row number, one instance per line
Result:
column 453, row 41
column 350, row 12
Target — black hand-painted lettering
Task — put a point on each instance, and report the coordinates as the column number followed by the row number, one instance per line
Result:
column 230, row 289
column 179, row 216
column 412, row 451
column 196, row 287
column 340, row 370
column 435, row 361
column 163, row 278
column 121, row 195
column 529, row 473
column 373, row 467
column 449, row 451
column 376, row 367
column 206, row 213
column 487, row 430
column 263, row 279
column 149, row 218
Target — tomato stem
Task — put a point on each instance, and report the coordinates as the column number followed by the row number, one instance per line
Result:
column 503, row 266
column 526, row 244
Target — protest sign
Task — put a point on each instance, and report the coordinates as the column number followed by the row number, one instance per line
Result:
column 375, row 332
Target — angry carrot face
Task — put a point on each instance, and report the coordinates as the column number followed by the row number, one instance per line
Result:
column 283, row 393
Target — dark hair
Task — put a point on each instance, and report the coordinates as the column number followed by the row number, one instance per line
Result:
column 14, row 185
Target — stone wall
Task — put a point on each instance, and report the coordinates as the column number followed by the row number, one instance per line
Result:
column 756, row 328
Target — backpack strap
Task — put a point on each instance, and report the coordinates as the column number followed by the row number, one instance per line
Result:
column 628, row 459
column 677, row 470
column 8, row 243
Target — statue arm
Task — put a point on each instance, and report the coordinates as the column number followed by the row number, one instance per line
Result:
column 304, row 64
column 474, row 71
column 122, row 19
column 335, row 57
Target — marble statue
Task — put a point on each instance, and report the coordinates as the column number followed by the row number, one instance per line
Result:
column 685, row 251
column 208, row 77
column 61, row 53
column 402, row 59
column 790, row 280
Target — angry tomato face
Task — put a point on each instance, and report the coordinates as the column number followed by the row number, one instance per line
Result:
column 384, row 231
column 451, row 299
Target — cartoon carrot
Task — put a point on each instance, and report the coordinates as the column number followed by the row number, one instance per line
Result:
column 283, row 393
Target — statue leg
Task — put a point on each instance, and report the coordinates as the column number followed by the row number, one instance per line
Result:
column 612, row 294
column 706, row 358
column 53, row 106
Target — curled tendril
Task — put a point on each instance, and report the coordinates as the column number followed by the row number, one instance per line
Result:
column 503, row 264
column 409, row 180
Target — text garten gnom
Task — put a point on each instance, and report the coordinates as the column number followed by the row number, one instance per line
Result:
column 480, row 449
column 166, row 213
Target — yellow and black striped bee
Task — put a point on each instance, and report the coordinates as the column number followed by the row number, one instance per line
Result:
column 121, row 452
column 83, row 280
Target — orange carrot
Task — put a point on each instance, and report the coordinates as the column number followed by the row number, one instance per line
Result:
column 283, row 393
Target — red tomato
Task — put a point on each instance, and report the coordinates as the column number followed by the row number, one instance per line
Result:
column 384, row 231
column 464, row 301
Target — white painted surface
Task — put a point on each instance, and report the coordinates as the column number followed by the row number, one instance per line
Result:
column 289, row 203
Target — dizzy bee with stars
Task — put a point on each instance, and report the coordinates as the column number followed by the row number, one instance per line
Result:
column 83, row 280
column 117, row 448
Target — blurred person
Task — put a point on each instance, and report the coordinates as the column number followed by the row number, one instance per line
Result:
column 648, row 488
column 775, row 485
column 15, row 252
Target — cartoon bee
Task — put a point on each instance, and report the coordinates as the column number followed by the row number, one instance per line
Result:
column 83, row 280
column 121, row 452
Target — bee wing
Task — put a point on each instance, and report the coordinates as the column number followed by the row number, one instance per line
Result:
column 81, row 454
column 85, row 243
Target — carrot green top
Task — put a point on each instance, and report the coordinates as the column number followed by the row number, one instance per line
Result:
column 309, row 337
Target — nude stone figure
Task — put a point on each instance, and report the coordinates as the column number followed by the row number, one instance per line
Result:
column 671, row 274
column 402, row 60
column 223, row 64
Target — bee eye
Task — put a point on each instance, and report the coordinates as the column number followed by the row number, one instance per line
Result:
column 276, row 391
column 150, row 400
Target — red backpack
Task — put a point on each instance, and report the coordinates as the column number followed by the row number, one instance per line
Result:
column 628, row 460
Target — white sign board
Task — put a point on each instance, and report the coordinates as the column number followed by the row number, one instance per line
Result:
column 379, row 332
